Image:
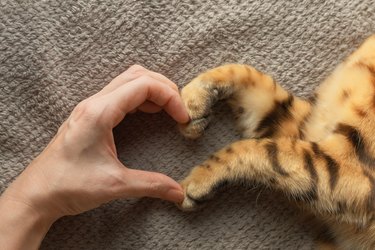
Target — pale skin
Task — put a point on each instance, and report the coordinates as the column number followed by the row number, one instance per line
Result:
column 79, row 169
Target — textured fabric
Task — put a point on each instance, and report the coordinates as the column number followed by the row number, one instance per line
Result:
column 55, row 53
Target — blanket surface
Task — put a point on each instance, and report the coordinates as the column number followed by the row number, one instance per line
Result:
column 54, row 54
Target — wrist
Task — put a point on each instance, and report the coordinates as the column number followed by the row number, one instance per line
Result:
column 13, row 206
column 31, row 191
column 22, row 226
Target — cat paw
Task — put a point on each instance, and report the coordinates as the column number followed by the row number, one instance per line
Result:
column 198, row 100
column 195, row 127
column 197, row 189
column 194, row 197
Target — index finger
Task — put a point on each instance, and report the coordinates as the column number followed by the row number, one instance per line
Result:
column 132, row 73
column 145, row 88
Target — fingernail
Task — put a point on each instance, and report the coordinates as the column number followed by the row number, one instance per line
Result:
column 175, row 196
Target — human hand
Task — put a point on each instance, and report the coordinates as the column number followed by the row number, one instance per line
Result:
column 79, row 169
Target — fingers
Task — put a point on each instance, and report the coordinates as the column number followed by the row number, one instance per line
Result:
column 142, row 183
column 135, row 89
column 131, row 95
column 133, row 73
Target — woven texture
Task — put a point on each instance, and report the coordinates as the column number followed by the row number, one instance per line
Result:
column 55, row 53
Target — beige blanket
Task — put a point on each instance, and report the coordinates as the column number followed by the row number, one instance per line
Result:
column 55, row 53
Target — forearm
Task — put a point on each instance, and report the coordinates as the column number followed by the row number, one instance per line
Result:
column 21, row 226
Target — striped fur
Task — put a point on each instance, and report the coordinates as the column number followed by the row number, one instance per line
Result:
column 319, row 152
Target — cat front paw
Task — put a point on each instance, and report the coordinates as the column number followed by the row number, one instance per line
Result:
column 194, row 196
column 199, row 187
column 198, row 99
column 195, row 127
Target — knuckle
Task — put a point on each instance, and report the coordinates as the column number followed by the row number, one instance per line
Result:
column 136, row 69
column 82, row 107
column 145, row 78
column 156, row 187
column 166, row 80
column 160, row 76
column 85, row 110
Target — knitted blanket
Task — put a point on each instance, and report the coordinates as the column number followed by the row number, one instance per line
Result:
column 54, row 54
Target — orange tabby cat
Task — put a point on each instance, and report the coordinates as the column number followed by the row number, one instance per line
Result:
column 318, row 152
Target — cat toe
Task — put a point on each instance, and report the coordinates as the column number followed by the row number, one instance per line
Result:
column 194, row 128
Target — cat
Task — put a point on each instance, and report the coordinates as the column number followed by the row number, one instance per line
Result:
column 320, row 152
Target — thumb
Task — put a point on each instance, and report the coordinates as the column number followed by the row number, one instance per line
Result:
column 142, row 183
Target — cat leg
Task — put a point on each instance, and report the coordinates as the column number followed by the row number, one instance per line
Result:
column 324, row 176
column 364, row 54
column 262, row 107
